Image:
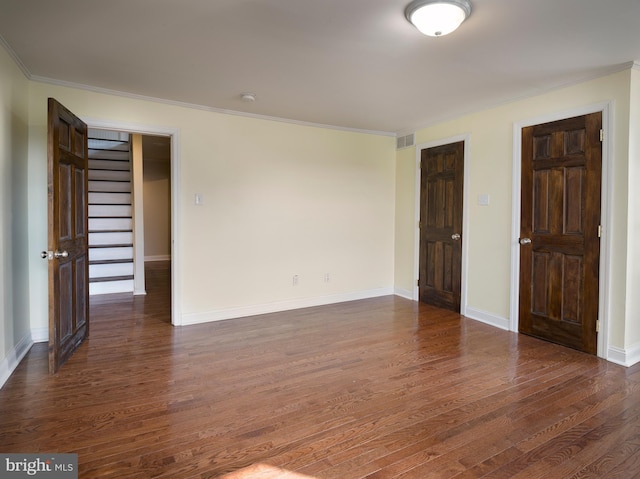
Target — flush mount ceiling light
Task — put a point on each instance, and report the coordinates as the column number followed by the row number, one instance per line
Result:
column 248, row 97
column 437, row 17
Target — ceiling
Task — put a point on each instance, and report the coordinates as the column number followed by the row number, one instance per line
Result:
column 356, row 64
column 156, row 149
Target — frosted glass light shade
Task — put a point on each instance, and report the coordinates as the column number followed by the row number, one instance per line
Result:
column 437, row 17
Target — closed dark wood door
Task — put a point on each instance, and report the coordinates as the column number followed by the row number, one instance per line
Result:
column 68, row 235
column 441, row 197
column 559, row 234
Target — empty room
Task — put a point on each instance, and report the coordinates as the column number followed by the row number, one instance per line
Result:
column 338, row 239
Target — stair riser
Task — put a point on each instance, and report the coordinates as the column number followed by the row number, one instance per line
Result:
column 107, row 270
column 110, row 238
column 108, row 155
column 109, row 198
column 94, row 144
column 110, row 186
column 106, row 224
column 109, row 165
column 110, row 175
column 105, row 254
column 97, row 211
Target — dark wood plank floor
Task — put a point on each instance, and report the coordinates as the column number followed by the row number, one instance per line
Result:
column 380, row 388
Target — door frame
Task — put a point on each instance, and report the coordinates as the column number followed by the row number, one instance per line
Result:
column 174, row 134
column 466, row 138
column 606, row 108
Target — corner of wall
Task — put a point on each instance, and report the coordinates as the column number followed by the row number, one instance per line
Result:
column 13, row 358
column 624, row 357
column 14, row 271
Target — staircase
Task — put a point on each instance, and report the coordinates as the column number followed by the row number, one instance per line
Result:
column 110, row 213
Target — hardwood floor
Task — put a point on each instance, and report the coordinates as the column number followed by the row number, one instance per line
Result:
column 379, row 388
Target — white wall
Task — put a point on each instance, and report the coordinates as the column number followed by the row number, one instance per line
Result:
column 489, row 228
column 404, row 280
column 14, row 275
column 279, row 199
column 632, row 305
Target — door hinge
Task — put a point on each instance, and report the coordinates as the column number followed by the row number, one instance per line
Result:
column 597, row 325
column 601, row 134
column 419, row 224
column 417, row 282
column 599, row 231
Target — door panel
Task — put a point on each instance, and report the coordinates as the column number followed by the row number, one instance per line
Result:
column 442, row 178
column 561, row 182
column 67, row 199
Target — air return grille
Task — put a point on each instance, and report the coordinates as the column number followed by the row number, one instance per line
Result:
column 405, row 141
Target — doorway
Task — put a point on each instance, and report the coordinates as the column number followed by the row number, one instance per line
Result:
column 129, row 206
column 604, row 145
column 156, row 209
column 156, row 139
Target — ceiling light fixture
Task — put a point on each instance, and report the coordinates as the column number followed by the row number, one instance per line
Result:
column 248, row 97
column 437, row 17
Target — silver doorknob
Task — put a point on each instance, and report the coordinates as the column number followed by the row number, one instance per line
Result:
column 60, row 254
column 455, row 236
column 525, row 240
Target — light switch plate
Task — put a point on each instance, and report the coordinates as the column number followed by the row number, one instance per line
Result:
column 483, row 200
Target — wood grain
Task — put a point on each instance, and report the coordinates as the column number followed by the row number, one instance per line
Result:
column 441, row 199
column 379, row 388
column 560, row 214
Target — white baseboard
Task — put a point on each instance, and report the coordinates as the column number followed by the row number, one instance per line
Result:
column 487, row 318
column 404, row 293
column 110, row 287
column 624, row 357
column 40, row 335
column 11, row 361
column 231, row 313
column 163, row 257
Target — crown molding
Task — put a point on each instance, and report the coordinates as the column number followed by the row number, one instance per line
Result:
column 194, row 106
column 15, row 58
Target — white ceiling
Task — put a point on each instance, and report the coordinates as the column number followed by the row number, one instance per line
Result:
column 348, row 63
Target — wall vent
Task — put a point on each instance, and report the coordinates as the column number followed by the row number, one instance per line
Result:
column 405, row 141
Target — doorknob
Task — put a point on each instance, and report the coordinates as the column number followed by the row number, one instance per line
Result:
column 60, row 254
column 455, row 236
column 47, row 255
column 524, row 241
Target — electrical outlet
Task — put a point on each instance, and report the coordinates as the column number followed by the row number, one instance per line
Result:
column 327, row 277
column 295, row 279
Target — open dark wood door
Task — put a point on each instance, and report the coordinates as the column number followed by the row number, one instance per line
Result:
column 68, row 234
column 559, row 234
column 441, row 197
